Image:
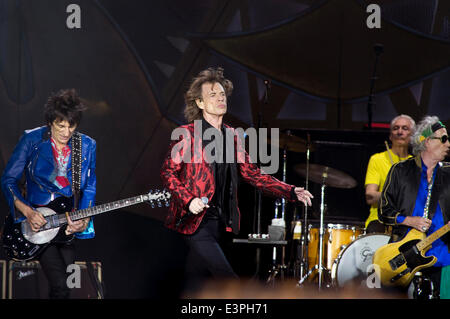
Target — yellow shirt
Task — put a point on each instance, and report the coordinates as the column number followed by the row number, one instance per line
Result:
column 377, row 170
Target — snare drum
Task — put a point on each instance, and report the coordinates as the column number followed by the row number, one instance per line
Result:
column 336, row 238
column 353, row 262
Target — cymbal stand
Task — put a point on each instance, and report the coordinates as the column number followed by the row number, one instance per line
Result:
column 304, row 241
column 322, row 209
column 283, row 200
column 319, row 267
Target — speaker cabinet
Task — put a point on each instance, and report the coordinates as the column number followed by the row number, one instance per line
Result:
column 26, row 280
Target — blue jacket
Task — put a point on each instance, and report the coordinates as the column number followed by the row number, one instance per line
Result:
column 33, row 155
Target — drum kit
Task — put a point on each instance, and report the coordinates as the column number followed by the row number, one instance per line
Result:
column 333, row 252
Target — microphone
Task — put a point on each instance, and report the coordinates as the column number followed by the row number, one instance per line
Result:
column 189, row 213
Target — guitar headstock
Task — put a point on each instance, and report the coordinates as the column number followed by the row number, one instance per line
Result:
column 158, row 198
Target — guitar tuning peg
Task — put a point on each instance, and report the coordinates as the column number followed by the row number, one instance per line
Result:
column 167, row 203
column 159, row 203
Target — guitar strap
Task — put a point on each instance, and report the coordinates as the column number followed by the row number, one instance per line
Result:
column 76, row 168
column 427, row 203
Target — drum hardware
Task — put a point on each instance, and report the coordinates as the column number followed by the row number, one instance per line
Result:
column 280, row 207
column 287, row 142
column 274, row 272
column 296, row 144
column 322, row 209
column 326, row 176
column 284, row 173
column 319, row 267
column 304, row 242
column 342, row 235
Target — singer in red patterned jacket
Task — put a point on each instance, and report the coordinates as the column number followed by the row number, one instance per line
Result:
column 204, row 202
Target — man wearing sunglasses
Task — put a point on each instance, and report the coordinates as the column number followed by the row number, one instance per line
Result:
column 417, row 195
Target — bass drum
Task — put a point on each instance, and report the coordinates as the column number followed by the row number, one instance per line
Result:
column 353, row 262
column 335, row 238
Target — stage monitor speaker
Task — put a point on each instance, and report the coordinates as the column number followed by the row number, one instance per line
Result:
column 26, row 280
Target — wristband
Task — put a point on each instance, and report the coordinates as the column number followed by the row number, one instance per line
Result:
column 400, row 219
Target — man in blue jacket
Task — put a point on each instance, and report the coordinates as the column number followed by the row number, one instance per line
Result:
column 44, row 155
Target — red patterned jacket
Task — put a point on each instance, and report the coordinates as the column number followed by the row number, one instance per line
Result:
column 188, row 180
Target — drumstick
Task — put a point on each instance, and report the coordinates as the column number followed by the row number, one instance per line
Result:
column 387, row 147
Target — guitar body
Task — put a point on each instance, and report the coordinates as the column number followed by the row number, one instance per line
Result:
column 21, row 243
column 398, row 262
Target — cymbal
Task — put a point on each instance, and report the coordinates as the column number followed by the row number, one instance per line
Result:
column 291, row 143
column 334, row 177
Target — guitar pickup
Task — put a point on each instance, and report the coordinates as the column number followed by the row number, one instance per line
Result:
column 400, row 275
column 397, row 262
column 33, row 250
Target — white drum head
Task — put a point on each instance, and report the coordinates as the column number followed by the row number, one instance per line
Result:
column 354, row 260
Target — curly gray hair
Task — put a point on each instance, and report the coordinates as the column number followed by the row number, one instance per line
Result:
column 418, row 143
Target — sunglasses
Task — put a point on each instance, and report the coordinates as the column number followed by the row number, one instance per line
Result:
column 443, row 138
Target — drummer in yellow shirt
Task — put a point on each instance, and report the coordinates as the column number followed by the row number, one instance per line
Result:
column 402, row 127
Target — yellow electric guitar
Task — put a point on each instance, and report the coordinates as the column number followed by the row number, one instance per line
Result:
column 396, row 263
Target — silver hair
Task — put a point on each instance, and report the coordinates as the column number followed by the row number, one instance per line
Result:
column 409, row 118
column 427, row 122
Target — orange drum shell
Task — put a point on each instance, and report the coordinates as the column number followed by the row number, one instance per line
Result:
column 336, row 238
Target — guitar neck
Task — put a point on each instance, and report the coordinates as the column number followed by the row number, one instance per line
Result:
column 434, row 236
column 97, row 210
column 100, row 209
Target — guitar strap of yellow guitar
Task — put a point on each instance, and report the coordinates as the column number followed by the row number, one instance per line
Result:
column 427, row 203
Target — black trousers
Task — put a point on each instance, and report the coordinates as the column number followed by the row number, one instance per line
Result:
column 54, row 261
column 206, row 258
